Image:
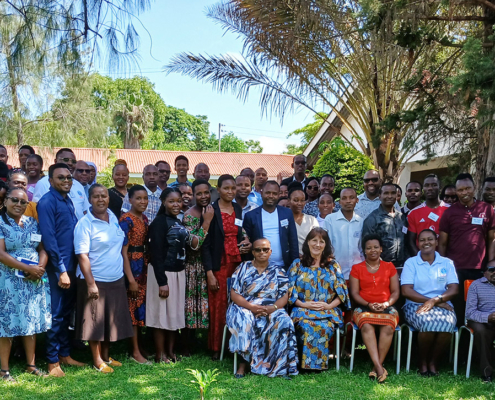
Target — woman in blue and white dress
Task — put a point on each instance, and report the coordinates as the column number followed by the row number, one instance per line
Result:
column 24, row 291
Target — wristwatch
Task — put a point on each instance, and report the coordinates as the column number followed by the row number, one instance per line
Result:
column 440, row 297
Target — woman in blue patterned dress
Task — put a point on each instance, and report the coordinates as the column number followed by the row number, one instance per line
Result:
column 317, row 288
column 25, row 302
column 262, row 331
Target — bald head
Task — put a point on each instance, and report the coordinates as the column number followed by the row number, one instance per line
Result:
column 150, row 177
column 260, row 177
column 202, row 171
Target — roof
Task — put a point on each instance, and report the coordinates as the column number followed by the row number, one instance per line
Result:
column 219, row 163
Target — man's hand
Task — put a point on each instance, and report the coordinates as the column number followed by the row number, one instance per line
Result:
column 93, row 292
column 491, row 318
column 64, row 280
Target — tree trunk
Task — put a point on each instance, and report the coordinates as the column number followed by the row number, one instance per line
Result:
column 482, row 155
column 15, row 98
column 130, row 141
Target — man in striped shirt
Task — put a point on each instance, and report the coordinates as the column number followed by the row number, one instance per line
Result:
column 480, row 313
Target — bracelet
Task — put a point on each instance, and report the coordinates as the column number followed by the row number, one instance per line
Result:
column 274, row 305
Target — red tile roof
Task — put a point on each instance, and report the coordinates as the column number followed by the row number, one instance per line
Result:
column 219, row 163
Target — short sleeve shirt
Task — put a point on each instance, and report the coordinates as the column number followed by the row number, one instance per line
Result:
column 375, row 290
column 428, row 280
column 102, row 241
column 467, row 228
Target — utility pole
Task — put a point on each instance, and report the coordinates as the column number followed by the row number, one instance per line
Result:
column 219, row 139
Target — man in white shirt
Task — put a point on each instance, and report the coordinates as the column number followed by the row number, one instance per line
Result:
column 344, row 228
column 76, row 194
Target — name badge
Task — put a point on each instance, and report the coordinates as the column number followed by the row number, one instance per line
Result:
column 31, row 189
column 35, row 237
column 284, row 222
column 357, row 234
column 238, row 222
column 433, row 217
column 477, row 221
column 404, row 230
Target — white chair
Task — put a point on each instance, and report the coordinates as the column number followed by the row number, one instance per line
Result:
column 397, row 344
column 225, row 328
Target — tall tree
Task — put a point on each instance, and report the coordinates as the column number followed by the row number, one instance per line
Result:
column 311, row 53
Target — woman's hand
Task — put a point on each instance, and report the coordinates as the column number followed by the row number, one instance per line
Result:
column 133, row 290
column 314, row 305
column 324, row 305
column 447, row 306
column 377, row 307
column 35, row 272
column 426, row 306
column 93, row 292
column 258, row 310
column 245, row 246
column 163, row 291
column 208, row 213
column 212, row 282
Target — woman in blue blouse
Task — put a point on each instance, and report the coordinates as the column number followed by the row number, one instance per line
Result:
column 262, row 331
column 317, row 288
column 25, row 301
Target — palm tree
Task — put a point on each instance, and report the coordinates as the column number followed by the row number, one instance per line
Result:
column 132, row 119
column 313, row 53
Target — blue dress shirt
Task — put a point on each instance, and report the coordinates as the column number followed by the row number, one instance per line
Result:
column 57, row 222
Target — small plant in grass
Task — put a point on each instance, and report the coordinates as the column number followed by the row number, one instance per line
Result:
column 203, row 379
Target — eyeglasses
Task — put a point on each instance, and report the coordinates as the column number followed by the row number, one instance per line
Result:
column 16, row 200
column 88, row 171
column 68, row 160
column 374, row 180
column 312, row 187
column 164, row 171
column 261, row 249
column 65, row 178
column 491, row 269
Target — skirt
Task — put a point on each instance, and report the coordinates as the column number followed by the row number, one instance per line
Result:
column 166, row 313
column 436, row 320
column 104, row 319
column 363, row 315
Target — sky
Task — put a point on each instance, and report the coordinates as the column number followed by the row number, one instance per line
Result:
column 182, row 26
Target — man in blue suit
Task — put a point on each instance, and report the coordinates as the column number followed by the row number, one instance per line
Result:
column 274, row 223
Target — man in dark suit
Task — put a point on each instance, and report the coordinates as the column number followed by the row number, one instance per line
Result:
column 274, row 223
column 299, row 165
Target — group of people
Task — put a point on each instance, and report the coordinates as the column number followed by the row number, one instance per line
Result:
column 282, row 263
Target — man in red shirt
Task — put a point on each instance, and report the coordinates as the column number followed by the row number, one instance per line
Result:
column 426, row 215
column 467, row 229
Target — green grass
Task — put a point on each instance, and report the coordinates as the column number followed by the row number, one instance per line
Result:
column 173, row 382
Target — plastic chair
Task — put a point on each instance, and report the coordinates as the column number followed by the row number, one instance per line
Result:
column 466, row 328
column 454, row 346
column 397, row 344
column 225, row 328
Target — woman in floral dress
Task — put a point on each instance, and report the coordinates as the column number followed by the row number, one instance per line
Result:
column 197, row 220
column 135, row 226
column 317, row 288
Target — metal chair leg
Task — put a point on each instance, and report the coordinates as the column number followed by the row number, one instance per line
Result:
column 409, row 346
column 470, row 354
column 399, row 342
column 451, row 352
column 223, row 342
column 337, row 349
column 235, row 363
column 395, row 345
column 456, row 350
column 352, row 349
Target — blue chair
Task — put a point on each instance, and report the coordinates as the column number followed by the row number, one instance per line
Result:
column 225, row 328
column 397, row 344
column 454, row 346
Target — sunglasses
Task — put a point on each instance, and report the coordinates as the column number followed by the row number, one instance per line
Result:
column 164, row 171
column 374, row 180
column 261, row 249
column 64, row 178
column 16, row 200
column 88, row 171
column 491, row 269
column 313, row 187
column 300, row 163
column 68, row 160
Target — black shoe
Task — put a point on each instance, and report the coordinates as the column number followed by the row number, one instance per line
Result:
column 425, row 374
column 486, row 379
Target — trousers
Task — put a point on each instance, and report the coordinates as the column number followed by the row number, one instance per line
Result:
column 63, row 302
column 484, row 334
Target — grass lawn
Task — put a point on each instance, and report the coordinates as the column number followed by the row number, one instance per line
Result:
column 172, row 381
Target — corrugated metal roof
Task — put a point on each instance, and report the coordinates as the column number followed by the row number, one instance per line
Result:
column 219, row 163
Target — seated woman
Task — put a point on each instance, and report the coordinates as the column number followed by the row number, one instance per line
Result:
column 429, row 282
column 316, row 289
column 25, row 301
column 102, row 309
column 262, row 331
column 374, row 286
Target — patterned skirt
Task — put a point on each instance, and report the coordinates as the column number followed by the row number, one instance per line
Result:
column 196, row 293
column 363, row 315
column 313, row 337
column 436, row 320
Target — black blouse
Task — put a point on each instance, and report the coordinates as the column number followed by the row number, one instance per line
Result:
column 116, row 200
column 167, row 246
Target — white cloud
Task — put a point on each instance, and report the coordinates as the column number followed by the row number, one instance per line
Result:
column 274, row 145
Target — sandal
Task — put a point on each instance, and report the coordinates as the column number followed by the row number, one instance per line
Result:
column 239, row 376
column 35, row 371
column 104, row 368
column 424, row 374
column 372, row 375
column 6, row 376
column 382, row 377
column 113, row 363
